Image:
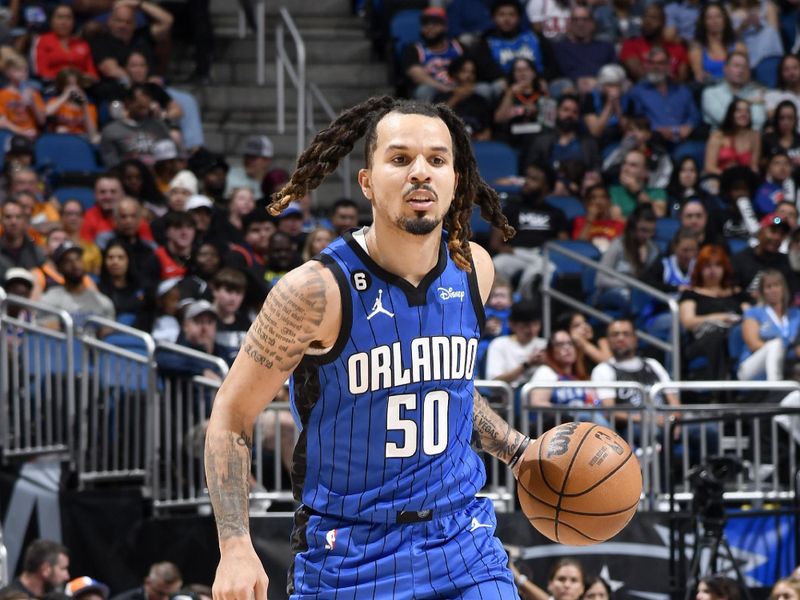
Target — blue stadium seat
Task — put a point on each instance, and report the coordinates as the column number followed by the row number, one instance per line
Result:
column 735, row 346
column 766, row 72
column 404, row 29
column 495, row 160
column 5, row 135
column 570, row 205
column 666, row 228
column 736, row 245
column 65, row 153
column 567, row 266
column 83, row 194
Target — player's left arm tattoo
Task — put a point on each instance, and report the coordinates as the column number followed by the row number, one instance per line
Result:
column 494, row 434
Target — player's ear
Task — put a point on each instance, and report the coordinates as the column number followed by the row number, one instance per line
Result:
column 365, row 182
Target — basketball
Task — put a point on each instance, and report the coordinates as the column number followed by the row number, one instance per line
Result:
column 581, row 484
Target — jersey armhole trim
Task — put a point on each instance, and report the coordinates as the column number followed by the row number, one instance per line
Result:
column 475, row 295
column 347, row 311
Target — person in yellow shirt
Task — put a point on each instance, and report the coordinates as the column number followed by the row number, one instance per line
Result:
column 71, row 221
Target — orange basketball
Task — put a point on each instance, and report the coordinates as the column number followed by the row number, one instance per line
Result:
column 581, row 485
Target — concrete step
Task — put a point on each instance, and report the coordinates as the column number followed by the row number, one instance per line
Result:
column 227, row 24
column 319, row 48
column 230, row 140
column 244, row 72
column 297, row 9
column 252, row 98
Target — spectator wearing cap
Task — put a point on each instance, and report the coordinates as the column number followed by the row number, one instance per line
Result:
column 212, row 171
column 290, row 222
column 86, row 588
column 159, row 317
column 135, row 135
column 425, row 62
column 75, row 297
column 167, row 163
column 668, row 105
column 45, row 567
column 579, row 55
column 182, row 187
column 48, row 275
column 750, row 262
column 174, row 257
column 17, row 282
column 512, row 358
column 128, row 216
column 211, row 225
column 163, row 580
column 22, row 109
column 779, row 185
column 199, row 332
column 72, row 220
column 99, row 218
column 258, row 152
column 228, row 288
column 15, row 243
column 604, row 108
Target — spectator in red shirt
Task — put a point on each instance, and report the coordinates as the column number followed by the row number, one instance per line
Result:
column 633, row 54
column 174, row 258
column 597, row 226
column 99, row 218
column 59, row 48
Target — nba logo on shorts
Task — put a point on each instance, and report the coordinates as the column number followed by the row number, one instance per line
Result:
column 330, row 539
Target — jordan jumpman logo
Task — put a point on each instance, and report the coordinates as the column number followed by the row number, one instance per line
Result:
column 378, row 307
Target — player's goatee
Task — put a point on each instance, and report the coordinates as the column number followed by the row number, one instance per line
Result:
column 422, row 225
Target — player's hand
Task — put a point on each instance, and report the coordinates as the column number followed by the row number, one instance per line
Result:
column 240, row 575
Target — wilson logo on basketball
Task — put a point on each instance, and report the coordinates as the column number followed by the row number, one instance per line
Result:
column 559, row 443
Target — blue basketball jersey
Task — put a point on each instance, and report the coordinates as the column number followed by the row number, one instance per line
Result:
column 386, row 413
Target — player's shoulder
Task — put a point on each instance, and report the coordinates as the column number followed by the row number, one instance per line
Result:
column 484, row 269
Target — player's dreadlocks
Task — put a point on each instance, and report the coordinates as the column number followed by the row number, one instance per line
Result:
column 330, row 145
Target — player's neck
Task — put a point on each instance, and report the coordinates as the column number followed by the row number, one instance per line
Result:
column 404, row 254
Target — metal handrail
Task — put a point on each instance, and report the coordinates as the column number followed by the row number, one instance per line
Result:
column 297, row 75
column 191, row 352
column 344, row 166
column 547, row 292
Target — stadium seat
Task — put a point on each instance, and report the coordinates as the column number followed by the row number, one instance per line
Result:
column 666, row 228
column 736, row 245
column 735, row 346
column 495, row 160
column 567, row 266
column 65, row 153
column 570, row 205
column 83, row 194
column 404, row 29
column 766, row 72
column 5, row 136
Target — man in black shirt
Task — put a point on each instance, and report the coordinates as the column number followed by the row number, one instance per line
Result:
column 45, row 568
column 164, row 578
column 15, row 245
column 536, row 222
column 750, row 262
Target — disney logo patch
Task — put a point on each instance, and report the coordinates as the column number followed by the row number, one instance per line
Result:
column 449, row 293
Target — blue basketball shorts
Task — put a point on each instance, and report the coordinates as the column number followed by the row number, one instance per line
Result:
column 449, row 556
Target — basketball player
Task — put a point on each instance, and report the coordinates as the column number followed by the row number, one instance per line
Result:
column 380, row 332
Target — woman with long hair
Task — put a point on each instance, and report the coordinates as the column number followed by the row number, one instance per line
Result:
column 788, row 84
column 769, row 330
column 241, row 202
column 709, row 308
column 60, row 47
column 118, row 281
column 316, row 241
column 520, row 108
column 717, row 587
column 735, row 143
column 714, row 39
column 786, row 589
column 590, row 351
column 783, row 135
column 631, row 254
column 684, row 184
column 597, row 588
column 138, row 182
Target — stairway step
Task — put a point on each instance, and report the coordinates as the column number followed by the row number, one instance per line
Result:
column 244, row 72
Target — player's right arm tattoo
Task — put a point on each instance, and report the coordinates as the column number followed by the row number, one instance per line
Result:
column 227, row 458
column 496, row 435
column 287, row 323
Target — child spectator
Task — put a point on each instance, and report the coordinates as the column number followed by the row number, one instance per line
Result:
column 228, row 288
column 22, row 109
column 316, row 242
column 497, row 311
column 71, row 111
column 511, row 358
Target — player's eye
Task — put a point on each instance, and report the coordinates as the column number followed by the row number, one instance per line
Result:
column 399, row 159
column 438, row 161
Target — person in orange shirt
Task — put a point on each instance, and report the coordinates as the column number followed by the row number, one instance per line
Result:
column 22, row 109
column 47, row 275
column 71, row 111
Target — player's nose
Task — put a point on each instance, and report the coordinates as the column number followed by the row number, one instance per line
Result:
column 420, row 169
